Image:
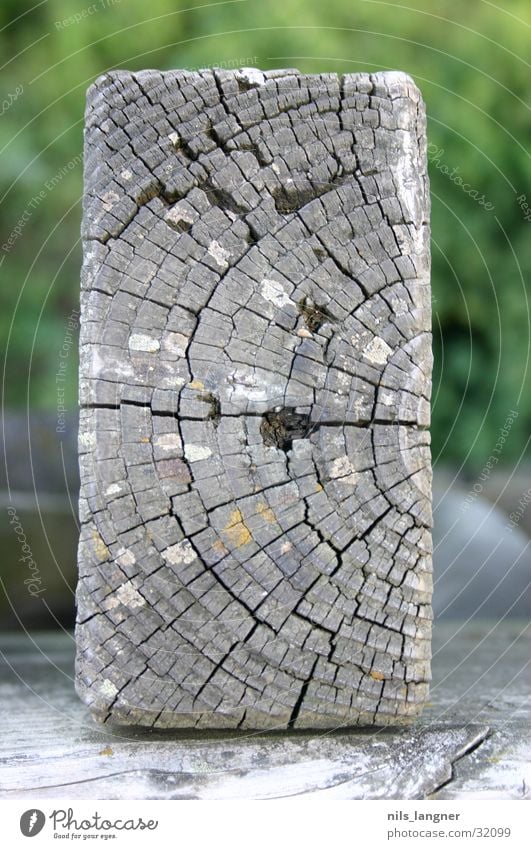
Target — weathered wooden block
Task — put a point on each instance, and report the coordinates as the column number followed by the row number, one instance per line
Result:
column 255, row 547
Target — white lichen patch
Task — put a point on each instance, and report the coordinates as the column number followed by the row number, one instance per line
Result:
column 125, row 557
column 304, row 333
column 142, row 342
column 172, row 382
column 129, row 596
column 193, row 453
column 109, row 200
column 100, row 366
column 126, row 174
column 255, row 392
column 424, row 582
column 219, row 254
column 273, row 291
column 377, row 351
column 180, row 553
column 342, row 468
column 168, row 441
column 398, row 306
column 113, row 489
column 177, row 216
column 88, row 440
column 176, row 343
column 108, row 689
column 252, row 76
column 405, row 174
column 360, row 406
column 175, row 139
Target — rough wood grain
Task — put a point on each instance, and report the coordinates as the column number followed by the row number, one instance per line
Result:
column 255, row 548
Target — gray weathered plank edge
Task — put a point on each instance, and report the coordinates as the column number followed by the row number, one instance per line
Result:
column 480, row 681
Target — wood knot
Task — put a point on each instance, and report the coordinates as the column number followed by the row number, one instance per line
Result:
column 314, row 315
column 280, row 428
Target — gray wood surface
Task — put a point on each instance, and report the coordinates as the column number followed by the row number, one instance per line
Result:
column 255, row 548
column 473, row 740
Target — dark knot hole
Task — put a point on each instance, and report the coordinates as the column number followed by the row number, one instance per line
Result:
column 280, row 427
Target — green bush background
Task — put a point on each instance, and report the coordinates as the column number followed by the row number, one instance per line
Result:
column 468, row 59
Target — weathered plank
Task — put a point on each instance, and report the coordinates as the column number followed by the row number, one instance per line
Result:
column 480, row 681
column 255, row 548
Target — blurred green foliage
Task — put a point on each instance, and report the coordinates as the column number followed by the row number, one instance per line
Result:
column 468, row 59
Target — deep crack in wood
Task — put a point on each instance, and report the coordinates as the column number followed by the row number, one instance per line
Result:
column 255, row 547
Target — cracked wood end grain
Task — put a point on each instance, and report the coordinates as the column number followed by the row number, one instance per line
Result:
column 255, row 547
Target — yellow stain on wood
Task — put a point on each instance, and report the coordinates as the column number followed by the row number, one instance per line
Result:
column 235, row 518
column 378, row 676
column 266, row 512
column 318, row 487
column 107, row 751
column 144, row 439
column 196, row 384
column 219, row 546
column 101, row 550
column 236, row 530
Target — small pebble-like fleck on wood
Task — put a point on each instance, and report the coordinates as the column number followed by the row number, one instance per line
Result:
column 255, row 546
